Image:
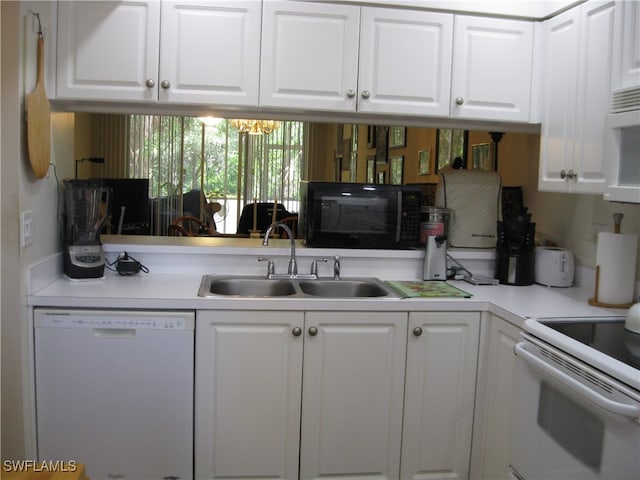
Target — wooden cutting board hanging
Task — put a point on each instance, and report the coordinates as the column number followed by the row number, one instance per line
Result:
column 39, row 119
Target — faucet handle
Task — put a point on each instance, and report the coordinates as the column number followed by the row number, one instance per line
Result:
column 314, row 264
column 271, row 269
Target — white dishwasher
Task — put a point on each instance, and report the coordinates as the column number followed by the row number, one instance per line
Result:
column 114, row 390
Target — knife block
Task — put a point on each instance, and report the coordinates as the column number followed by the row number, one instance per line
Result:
column 515, row 269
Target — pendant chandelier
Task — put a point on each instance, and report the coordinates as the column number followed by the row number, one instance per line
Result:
column 255, row 127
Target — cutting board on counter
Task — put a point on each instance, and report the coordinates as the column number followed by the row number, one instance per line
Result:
column 427, row 289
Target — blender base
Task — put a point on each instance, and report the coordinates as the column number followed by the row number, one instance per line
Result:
column 84, row 261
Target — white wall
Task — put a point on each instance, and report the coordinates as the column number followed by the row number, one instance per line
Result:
column 22, row 191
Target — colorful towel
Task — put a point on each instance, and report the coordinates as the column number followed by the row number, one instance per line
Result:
column 427, row 289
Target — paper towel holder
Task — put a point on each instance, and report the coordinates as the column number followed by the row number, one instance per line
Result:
column 596, row 303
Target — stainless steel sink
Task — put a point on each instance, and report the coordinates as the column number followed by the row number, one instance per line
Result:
column 251, row 286
column 344, row 288
column 246, row 287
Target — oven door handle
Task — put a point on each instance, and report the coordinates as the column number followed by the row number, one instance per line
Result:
column 603, row 402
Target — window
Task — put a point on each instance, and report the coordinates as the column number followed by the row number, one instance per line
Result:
column 187, row 157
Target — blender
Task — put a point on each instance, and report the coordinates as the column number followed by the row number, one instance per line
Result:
column 86, row 207
column 434, row 229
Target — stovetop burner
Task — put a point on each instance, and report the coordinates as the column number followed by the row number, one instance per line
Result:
column 608, row 337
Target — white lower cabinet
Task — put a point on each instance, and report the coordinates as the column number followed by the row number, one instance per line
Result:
column 310, row 395
column 442, row 352
column 492, row 425
column 249, row 387
column 352, row 395
column 247, row 394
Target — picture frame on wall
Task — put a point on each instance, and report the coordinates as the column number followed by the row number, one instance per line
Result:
column 382, row 136
column 397, row 137
column 396, row 164
column 481, row 156
column 451, row 144
column 424, row 162
column 371, row 167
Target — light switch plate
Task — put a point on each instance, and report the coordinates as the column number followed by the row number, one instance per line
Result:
column 26, row 228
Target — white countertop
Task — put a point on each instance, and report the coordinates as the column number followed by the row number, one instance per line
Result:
column 176, row 272
column 180, row 291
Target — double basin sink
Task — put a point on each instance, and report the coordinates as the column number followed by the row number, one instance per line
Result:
column 251, row 286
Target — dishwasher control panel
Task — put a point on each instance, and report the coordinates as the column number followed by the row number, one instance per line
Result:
column 118, row 319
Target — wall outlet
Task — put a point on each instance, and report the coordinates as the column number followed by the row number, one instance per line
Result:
column 26, row 228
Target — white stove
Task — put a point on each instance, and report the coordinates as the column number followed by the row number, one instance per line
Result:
column 577, row 399
column 601, row 342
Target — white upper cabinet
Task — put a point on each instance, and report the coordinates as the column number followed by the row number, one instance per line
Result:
column 343, row 58
column 577, row 53
column 492, row 69
column 107, row 50
column 193, row 52
column 405, row 62
column 210, row 52
column 309, row 56
column 626, row 60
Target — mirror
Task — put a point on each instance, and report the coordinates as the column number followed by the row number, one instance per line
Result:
column 344, row 152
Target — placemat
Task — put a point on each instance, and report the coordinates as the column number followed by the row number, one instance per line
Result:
column 427, row 289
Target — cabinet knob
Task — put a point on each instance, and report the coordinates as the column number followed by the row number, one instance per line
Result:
column 297, row 331
column 313, row 331
column 165, row 84
column 417, row 331
column 365, row 94
column 150, row 83
column 570, row 175
column 351, row 93
column 459, row 100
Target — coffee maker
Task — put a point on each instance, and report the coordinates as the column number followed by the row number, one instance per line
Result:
column 86, row 206
column 434, row 229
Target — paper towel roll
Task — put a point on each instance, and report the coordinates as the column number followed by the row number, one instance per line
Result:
column 616, row 256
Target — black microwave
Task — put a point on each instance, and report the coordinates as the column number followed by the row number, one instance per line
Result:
column 360, row 215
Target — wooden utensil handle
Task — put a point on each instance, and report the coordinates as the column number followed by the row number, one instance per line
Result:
column 40, row 72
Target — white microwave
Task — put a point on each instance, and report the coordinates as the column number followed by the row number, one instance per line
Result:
column 622, row 149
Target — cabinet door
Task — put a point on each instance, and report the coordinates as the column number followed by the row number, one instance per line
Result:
column 352, row 395
column 560, row 74
column 309, row 56
column 442, row 351
column 210, row 52
column 405, row 62
column 248, row 385
column 577, row 59
column 626, row 59
column 492, row 423
column 492, row 69
column 594, row 95
column 108, row 50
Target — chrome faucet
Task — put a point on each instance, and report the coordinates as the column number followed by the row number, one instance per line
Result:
column 293, row 264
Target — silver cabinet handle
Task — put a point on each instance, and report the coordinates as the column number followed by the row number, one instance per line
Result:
column 165, row 84
column 313, row 331
column 459, row 100
column 417, row 331
column 150, row 83
column 351, row 93
column 365, row 94
column 297, row 331
column 570, row 175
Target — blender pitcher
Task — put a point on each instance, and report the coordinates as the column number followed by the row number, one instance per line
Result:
column 86, row 207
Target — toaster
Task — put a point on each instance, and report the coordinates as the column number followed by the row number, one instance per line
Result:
column 554, row 267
